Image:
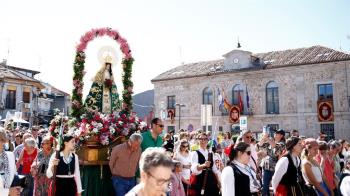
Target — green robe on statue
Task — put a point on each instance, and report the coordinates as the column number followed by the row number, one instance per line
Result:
column 103, row 95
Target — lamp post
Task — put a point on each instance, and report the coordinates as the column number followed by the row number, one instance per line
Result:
column 20, row 110
column 179, row 105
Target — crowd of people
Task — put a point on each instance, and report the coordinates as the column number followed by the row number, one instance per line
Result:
column 153, row 163
column 30, row 166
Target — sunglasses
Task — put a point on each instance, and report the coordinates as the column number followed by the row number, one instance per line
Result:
column 202, row 139
column 184, row 146
column 248, row 152
column 160, row 125
column 248, row 137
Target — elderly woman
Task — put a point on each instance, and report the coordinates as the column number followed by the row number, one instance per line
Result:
column 312, row 171
column 287, row 179
column 7, row 168
column 156, row 169
column 26, row 159
column 39, row 167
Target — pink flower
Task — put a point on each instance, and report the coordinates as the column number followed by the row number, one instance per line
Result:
column 81, row 47
column 112, row 33
column 102, row 31
column 88, row 36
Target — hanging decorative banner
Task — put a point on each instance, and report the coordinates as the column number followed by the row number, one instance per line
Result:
column 234, row 114
column 325, row 111
column 171, row 115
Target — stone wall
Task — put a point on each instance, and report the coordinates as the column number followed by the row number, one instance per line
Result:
column 298, row 94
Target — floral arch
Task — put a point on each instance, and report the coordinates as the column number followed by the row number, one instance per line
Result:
column 79, row 72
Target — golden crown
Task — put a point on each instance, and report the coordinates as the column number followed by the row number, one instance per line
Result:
column 108, row 59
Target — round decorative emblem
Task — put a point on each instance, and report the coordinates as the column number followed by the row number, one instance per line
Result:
column 325, row 111
column 235, row 60
column 234, row 114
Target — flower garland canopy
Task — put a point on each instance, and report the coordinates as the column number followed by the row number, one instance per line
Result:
column 77, row 102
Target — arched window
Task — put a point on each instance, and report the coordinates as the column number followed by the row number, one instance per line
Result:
column 208, row 96
column 272, row 100
column 237, row 91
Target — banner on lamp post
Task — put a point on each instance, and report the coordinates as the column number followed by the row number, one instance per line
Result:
column 243, row 123
column 206, row 115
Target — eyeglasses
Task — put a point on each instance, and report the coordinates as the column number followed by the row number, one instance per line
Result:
column 248, row 152
column 248, row 137
column 160, row 125
column 160, row 182
column 202, row 139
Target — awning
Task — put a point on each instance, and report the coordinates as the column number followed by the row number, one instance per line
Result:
column 17, row 120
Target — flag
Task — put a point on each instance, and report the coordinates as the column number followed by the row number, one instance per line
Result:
column 247, row 96
column 220, row 99
column 240, row 102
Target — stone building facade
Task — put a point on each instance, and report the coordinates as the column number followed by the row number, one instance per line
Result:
column 284, row 88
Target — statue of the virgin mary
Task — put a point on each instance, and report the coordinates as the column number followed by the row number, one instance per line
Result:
column 103, row 95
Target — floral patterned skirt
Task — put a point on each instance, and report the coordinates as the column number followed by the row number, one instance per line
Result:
column 41, row 185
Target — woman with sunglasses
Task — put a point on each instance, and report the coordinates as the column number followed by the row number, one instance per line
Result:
column 203, row 178
column 156, row 169
column 287, row 179
column 182, row 154
column 238, row 178
column 39, row 167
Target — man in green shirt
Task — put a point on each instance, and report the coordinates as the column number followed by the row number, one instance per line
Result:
column 151, row 138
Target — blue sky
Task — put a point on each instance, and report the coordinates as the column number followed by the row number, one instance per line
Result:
column 42, row 34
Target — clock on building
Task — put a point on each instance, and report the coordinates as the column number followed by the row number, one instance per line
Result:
column 235, row 60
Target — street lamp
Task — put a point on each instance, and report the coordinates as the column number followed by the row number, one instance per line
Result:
column 180, row 105
column 20, row 110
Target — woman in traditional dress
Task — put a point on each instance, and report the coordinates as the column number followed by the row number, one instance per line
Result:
column 238, row 178
column 7, row 168
column 103, row 95
column 287, row 179
column 68, row 182
column 203, row 179
column 39, row 167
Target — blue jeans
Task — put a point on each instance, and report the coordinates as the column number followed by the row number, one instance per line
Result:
column 123, row 185
column 267, row 176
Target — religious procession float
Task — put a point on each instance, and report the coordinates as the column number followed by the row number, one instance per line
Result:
column 103, row 120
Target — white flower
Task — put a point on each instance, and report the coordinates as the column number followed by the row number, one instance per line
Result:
column 111, row 130
column 95, row 130
column 120, row 122
column 94, row 123
column 99, row 125
column 125, row 131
